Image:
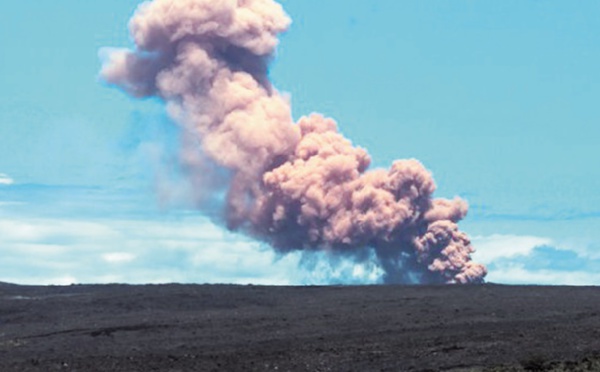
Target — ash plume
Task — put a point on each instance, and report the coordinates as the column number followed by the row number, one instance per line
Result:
column 297, row 186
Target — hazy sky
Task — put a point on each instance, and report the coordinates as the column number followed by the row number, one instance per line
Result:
column 497, row 99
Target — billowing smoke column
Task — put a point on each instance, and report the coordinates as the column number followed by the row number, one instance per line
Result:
column 297, row 186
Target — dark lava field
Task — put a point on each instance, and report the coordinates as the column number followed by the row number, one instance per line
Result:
column 326, row 328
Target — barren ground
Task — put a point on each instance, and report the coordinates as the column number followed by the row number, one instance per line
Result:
column 337, row 328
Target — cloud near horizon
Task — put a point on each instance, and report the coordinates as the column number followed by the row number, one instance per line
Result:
column 186, row 249
column 514, row 259
column 183, row 247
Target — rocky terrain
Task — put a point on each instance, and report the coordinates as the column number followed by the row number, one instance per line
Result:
column 333, row 328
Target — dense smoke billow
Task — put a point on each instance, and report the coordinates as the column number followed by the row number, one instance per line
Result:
column 297, row 186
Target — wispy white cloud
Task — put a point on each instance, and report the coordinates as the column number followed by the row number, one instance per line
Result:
column 183, row 249
column 118, row 257
column 513, row 259
column 52, row 230
column 493, row 247
column 5, row 179
column 517, row 274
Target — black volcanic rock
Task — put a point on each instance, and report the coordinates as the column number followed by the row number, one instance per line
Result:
column 331, row 328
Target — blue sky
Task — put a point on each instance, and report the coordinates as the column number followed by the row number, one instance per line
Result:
column 497, row 99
